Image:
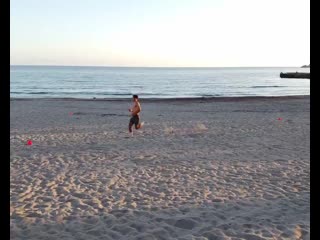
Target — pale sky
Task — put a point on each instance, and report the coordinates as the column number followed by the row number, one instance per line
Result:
column 160, row 33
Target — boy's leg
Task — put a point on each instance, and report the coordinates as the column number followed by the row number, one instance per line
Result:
column 130, row 127
column 139, row 125
column 136, row 122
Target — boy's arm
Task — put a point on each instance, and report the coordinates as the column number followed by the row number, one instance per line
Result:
column 131, row 109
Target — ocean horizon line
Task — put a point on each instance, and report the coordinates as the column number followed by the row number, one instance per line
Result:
column 102, row 66
column 218, row 98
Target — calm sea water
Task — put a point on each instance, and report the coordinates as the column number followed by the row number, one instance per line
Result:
column 122, row 82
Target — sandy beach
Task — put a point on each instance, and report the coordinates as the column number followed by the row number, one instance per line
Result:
column 200, row 169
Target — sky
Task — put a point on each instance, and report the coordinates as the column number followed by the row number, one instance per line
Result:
column 160, row 33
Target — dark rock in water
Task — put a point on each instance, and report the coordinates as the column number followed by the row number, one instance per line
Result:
column 295, row 75
column 306, row 66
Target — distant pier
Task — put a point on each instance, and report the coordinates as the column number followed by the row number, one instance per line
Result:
column 295, row 75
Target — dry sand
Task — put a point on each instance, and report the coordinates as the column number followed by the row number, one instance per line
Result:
column 200, row 169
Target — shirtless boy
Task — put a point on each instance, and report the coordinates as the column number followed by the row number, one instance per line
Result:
column 135, row 110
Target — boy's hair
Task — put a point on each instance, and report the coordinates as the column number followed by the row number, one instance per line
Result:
column 135, row 96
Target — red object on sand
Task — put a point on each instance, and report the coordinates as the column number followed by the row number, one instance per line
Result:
column 29, row 142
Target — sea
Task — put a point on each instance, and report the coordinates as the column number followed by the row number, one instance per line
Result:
column 153, row 82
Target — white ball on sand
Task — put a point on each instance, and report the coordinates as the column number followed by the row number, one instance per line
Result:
column 201, row 126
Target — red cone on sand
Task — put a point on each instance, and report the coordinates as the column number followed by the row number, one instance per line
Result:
column 29, row 142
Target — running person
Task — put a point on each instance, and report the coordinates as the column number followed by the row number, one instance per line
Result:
column 135, row 110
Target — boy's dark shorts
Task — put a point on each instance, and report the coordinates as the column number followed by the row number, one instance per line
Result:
column 134, row 120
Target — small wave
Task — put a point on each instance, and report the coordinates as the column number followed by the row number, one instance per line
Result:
column 211, row 95
column 40, row 93
column 110, row 93
column 268, row 86
column 87, row 93
column 30, row 93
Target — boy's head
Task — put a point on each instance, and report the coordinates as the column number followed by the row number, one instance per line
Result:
column 135, row 98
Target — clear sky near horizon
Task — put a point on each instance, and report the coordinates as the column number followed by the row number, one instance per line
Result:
column 168, row 33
